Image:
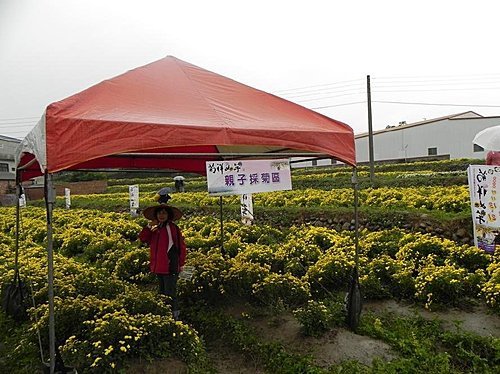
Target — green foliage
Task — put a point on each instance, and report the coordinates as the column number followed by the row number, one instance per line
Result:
column 381, row 242
column 317, row 317
column 79, row 176
column 286, row 288
column 207, row 281
column 18, row 348
column 240, row 277
column 100, row 309
column 378, row 278
column 75, row 240
column 469, row 257
column 260, row 254
column 472, row 353
column 272, row 356
column 444, row 284
column 133, row 265
column 418, row 247
column 116, row 336
column 491, row 288
column 426, row 347
column 332, row 271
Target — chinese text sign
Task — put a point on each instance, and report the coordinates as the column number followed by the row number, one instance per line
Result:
column 483, row 188
column 134, row 199
column 245, row 177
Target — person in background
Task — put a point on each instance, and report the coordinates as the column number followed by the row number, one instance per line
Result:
column 179, row 183
column 493, row 158
column 167, row 249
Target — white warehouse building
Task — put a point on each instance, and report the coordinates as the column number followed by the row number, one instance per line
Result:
column 446, row 137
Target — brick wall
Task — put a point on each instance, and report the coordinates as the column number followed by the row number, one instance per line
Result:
column 77, row 188
column 4, row 187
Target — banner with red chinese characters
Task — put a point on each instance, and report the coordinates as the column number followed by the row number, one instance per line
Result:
column 484, row 190
column 246, row 177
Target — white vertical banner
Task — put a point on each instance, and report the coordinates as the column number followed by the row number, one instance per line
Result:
column 484, row 190
column 248, row 176
column 133, row 192
column 67, row 197
column 246, row 209
column 22, row 201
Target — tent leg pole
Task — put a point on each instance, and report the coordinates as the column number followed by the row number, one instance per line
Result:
column 18, row 218
column 49, row 203
column 356, row 215
column 222, row 250
column 354, row 295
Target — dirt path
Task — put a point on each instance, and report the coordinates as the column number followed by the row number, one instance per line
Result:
column 334, row 347
column 479, row 320
column 341, row 344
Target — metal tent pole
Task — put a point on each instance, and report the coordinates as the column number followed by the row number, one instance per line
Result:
column 354, row 295
column 18, row 215
column 356, row 215
column 222, row 251
column 50, row 199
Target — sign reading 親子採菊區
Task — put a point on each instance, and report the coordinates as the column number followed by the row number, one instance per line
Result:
column 484, row 191
column 245, row 177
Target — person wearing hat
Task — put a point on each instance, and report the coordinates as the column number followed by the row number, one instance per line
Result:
column 167, row 249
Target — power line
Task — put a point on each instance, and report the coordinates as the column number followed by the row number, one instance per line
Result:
column 331, row 106
column 328, row 89
column 402, row 79
column 436, row 104
column 319, row 85
column 420, row 84
column 442, row 89
column 441, row 77
column 331, row 97
column 338, row 88
column 324, row 92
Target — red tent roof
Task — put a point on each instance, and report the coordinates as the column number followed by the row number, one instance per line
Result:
column 173, row 107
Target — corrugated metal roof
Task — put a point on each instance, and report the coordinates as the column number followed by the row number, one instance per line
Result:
column 405, row 126
column 9, row 139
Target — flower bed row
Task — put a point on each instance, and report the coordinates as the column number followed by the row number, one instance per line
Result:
column 103, row 306
column 452, row 199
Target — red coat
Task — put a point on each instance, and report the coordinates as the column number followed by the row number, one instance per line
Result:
column 158, row 240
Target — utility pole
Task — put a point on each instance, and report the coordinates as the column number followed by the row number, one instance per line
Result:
column 370, row 130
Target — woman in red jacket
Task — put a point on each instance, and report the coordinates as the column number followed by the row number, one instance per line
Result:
column 167, row 249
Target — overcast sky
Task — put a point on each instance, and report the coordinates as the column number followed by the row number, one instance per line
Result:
column 315, row 53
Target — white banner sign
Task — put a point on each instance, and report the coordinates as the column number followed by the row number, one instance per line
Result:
column 22, row 201
column 133, row 192
column 67, row 197
column 484, row 191
column 246, row 209
column 244, row 177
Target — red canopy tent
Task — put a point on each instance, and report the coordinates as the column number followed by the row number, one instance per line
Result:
column 172, row 107
column 171, row 115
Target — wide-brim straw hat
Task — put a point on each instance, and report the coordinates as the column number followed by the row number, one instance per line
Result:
column 149, row 212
